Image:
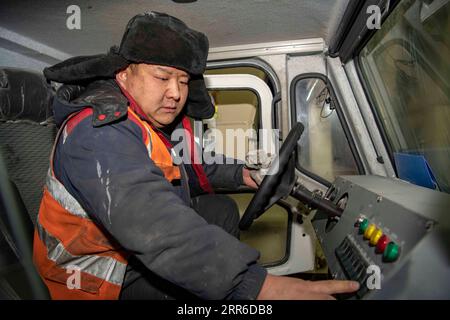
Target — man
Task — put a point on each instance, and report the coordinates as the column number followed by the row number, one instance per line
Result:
column 117, row 212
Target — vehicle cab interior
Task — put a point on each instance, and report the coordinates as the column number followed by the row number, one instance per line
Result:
column 353, row 98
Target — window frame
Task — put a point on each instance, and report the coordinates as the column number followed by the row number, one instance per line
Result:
column 287, row 252
column 273, row 81
column 342, row 121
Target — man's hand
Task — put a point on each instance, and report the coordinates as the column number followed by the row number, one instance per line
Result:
column 248, row 180
column 286, row 288
column 257, row 163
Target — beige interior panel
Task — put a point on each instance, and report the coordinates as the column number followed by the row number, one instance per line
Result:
column 235, row 111
column 268, row 233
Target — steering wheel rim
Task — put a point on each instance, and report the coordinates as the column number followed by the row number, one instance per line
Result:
column 267, row 195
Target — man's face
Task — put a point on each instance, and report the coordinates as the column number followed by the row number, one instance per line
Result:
column 160, row 91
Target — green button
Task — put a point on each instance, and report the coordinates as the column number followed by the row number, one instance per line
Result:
column 363, row 226
column 391, row 253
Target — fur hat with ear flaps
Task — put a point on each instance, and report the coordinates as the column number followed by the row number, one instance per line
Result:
column 153, row 38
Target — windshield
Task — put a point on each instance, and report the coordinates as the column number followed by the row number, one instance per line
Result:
column 407, row 68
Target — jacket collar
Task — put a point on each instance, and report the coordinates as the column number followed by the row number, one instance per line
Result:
column 103, row 96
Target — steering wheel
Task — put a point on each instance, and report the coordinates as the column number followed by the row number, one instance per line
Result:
column 277, row 183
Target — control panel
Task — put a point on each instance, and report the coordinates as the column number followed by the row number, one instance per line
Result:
column 393, row 238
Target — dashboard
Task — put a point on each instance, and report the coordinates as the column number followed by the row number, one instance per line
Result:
column 392, row 237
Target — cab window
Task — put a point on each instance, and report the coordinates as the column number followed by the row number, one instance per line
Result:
column 406, row 66
column 323, row 151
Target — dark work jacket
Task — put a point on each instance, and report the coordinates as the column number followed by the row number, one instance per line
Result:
column 140, row 209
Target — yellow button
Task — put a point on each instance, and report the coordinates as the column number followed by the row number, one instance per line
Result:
column 376, row 235
column 369, row 231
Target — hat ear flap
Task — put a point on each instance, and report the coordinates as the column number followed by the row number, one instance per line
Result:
column 199, row 104
column 85, row 68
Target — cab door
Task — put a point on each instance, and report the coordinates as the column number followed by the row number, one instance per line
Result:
column 244, row 102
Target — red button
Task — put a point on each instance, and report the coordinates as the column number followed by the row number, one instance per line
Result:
column 101, row 117
column 382, row 243
column 117, row 113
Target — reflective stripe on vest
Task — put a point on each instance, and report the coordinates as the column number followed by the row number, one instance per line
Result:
column 64, row 198
column 67, row 240
column 105, row 268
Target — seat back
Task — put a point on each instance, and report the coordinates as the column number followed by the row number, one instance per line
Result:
column 27, row 133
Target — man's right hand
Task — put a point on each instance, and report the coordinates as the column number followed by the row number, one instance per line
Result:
column 287, row 288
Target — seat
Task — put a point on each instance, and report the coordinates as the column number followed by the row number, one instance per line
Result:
column 27, row 133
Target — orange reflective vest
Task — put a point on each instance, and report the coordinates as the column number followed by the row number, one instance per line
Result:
column 74, row 255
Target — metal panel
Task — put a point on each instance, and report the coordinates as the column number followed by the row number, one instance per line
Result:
column 413, row 217
column 302, row 250
column 369, row 119
column 353, row 117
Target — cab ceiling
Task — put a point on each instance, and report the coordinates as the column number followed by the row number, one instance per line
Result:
column 40, row 25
